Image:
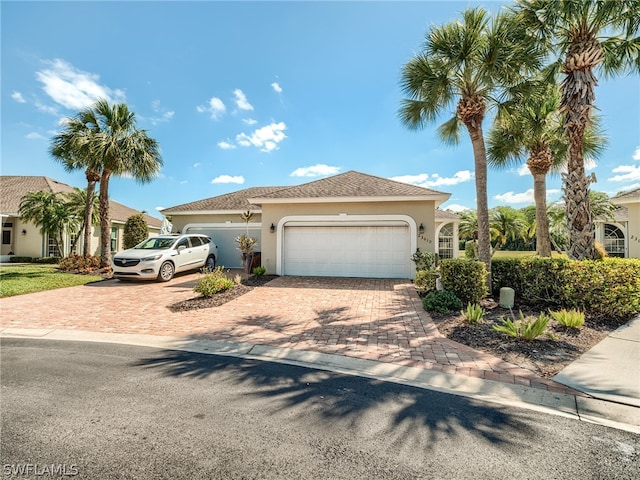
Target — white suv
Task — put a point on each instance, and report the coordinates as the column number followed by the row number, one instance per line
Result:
column 162, row 256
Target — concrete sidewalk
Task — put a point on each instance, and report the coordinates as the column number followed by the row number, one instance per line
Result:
column 610, row 370
column 623, row 417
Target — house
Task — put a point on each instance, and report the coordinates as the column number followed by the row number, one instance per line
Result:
column 622, row 237
column 351, row 225
column 25, row 240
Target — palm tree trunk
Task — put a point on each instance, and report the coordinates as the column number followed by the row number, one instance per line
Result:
column 480, row 160
column 105, row 221
column 543, row 238
column 88, row 215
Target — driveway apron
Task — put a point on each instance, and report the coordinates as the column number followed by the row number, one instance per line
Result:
column 376, row 319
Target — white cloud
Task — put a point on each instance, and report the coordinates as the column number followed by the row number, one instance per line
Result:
column 553, row 191
column 241, row 100
column 249, row 121
column 160, row 208
column 215, row 107
column 319, row 170
column 196, row 165
column 629, row 173
column 636, row 154
column 161, row 114
column 34, row 136
column 228, row 179
column 523, row 170
column 17, row 96
column 265, row 138
column 454, row 207
column 226, row 145
column 74, row 88
column 276, row 86
column 422, row 179
column 511, row 197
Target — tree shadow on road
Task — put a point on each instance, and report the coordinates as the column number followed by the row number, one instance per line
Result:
column 419, row 417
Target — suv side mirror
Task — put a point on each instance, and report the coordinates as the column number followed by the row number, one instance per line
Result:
column 180, row 248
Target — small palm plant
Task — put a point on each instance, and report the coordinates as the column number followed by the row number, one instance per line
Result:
column 568, row 318
column 525, row 328
column 474, row 313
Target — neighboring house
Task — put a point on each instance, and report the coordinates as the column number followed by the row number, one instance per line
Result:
column 25, row 240
column 621, row 238
column 351, row 225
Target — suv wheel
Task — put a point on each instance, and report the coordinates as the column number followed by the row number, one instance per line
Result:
column 210, row 264
column 166, row 272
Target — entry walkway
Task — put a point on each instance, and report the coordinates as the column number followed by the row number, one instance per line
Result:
column 371, row 319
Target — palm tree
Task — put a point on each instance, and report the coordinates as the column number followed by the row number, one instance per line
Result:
column 72, row 147
column 469, row 60
column 506, row 223
column 50, row 212
column 468, row 228
column 585, row 35
column 531, row 125
column 110, row 142
column 76, row 202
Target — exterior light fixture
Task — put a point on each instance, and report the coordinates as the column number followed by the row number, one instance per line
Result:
column 421, row 229
column 272, row 228
column 24, row 231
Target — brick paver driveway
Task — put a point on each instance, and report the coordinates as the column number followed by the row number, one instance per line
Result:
column 376, row 319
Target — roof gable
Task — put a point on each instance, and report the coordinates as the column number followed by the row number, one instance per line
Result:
column 13, row 188
column 234, row 201
column 354, row 185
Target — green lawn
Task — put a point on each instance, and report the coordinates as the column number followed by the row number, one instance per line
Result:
column 21, row 279
column 518, row 254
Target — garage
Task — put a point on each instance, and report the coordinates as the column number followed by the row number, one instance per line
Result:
column 375, row 251
column 224, row 236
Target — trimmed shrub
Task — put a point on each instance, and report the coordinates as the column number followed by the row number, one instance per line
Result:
column 47, row 260
column 605, row 288
column 213, row 282
column 425, row 260
column 15, row 259
column 441, row 301
column 136, row 231
column 259, row 271
column 425, row 281
column 465, row 278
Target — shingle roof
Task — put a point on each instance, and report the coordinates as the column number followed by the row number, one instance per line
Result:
column 350, row 184
column 446, row 215
column 13, row 188
column 236, row 201
column 635, row 193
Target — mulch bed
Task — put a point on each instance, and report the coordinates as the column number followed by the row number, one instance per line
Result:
column 543, row 356
column 218, row 299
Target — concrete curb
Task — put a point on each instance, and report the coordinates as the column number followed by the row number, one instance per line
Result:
column 622, row 417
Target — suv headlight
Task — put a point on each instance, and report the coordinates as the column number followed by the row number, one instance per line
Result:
column 152, row 258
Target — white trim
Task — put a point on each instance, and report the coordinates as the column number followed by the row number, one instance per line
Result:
column 456, row 242
column 342, row 220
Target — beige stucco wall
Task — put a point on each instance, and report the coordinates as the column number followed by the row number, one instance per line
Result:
column 28, row 245
column 421, row 212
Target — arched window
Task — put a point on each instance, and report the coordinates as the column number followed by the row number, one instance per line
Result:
column 445, row 241
column 613, row 241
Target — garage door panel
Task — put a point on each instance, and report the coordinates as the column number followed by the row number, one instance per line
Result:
column 349, row 251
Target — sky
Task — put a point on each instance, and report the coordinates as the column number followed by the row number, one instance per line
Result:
column 243, row 94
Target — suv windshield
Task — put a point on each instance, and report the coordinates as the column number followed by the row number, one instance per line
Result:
column 156, row 243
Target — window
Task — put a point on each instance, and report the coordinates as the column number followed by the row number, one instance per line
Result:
column 183, row 243
column 52, row 248
column 73, row 241
column 196, row 241
column 6, row 237
column 114, row 239
column 614, row 241
column 445, row 241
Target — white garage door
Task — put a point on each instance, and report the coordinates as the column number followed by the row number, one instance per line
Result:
column 347, row 251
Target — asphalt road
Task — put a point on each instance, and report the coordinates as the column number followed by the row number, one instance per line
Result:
column 110, row 411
